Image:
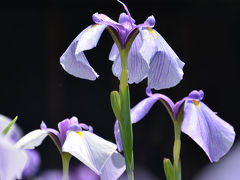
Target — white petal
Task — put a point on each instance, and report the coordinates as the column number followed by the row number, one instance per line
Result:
column 90, row 149
column 114, row 167
column 89, row 37
column 32, row 139
column 114, row 53
column 12, row 160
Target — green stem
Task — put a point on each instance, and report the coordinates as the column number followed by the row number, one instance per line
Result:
column 66, row 157
column 176, row 150
column 125, row 124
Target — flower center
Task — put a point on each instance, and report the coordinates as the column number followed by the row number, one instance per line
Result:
column 128, row 13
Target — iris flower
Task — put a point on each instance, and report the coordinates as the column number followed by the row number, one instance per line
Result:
column 78, row 140
column 12, row 159
column 209, row 131
column 149, row 56
column 14, row 134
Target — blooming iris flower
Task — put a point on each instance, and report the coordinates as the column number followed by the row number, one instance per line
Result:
column 210, row 132
column 79, row 140
column 12, row 159
column 149, row 56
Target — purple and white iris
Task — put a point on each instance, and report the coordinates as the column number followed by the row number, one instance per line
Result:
column 12, row 159
column 209, row 131
column 78, row 139
column 149, row 56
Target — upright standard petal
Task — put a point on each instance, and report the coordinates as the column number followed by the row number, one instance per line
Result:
column 12, row 160
column 89, row 148
column 74, row 61
column 209, row 131
column 32, row 139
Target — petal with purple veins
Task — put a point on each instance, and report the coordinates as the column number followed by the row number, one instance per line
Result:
column 114, row 167
column 74, row 60
column 165, row 66
column 89, row 148
column 209, row 131
column 137, row 66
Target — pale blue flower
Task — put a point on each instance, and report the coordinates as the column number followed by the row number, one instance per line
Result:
column 209, row 131
column 149, row 57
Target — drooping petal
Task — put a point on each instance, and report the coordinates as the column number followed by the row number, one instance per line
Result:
column 32, row 139
column 74, row 61
column 89, row 148
column 165, row 66
column 114, row 167
column 149, row 46
column 137, row 66
column 210, row 132
column 12, row 160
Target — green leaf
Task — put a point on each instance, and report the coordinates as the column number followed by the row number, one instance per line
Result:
column 115, row 102
column 168, row 169
column 6, row 130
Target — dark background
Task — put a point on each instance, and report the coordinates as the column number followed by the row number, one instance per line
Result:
column 204, row 34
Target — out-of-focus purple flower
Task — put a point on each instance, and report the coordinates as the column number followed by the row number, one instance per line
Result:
column 33, row 163
column 80, row 172
column 227, row 168
column 33, row 157
column 149, row 56
column 78, row 140
column 210, row 132
column 12, row 159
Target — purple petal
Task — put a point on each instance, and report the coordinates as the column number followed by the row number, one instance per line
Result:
column 209, row 131
column 150, row 22
column 149, row 46
column 165, row 66
column 118, row 136
column 125, row 21
column 63, row 127
column 74, row 61
column 33, row 164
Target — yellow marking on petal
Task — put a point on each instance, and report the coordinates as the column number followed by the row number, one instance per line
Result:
column 196, row 103
column 94, row 25
column 151, row 31
column 80, row 133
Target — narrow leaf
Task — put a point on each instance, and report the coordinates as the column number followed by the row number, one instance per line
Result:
column 6, row 130
column 168, row 169
column 115, row 102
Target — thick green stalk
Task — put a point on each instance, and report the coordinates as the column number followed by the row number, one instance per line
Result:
column 125, row 124
column 66, row 157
